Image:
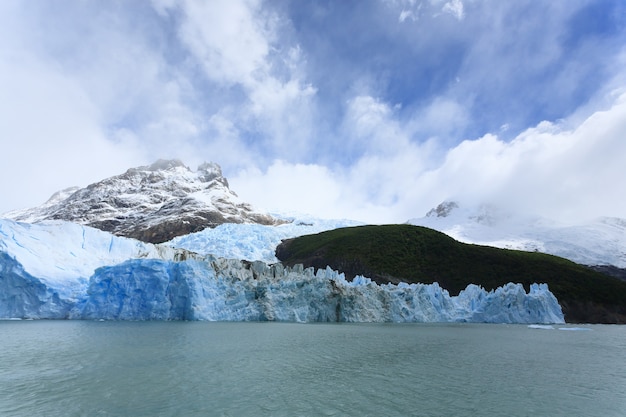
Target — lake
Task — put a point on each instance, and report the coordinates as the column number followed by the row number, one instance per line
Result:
column 90, row 368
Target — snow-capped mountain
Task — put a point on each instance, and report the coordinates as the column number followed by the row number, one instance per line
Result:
column 600, row 242
column 152, row 203
column 179, row 244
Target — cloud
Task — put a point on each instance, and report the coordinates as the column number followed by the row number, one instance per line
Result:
column 373, row 187
column 228, row 39
column 109, row 89
column 286, row 186
column 443, row 118
column 406, row 14
column 54, row 140
column 455, row 8
column 378, row 112
column 50, row 125
column 237, row 45
column 566, row 174
column 369, row 126
column 411, row 9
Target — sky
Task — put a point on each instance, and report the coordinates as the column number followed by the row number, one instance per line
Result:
column 368, row 110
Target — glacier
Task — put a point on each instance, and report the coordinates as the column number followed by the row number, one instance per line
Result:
column 61, row 270
column 254, row 242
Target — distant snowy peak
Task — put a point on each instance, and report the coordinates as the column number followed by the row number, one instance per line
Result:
column 487, row 214
column 598, row 242
column 443, row 210
column 153, row 203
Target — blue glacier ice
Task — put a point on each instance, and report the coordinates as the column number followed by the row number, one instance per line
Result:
column 61, row 270
column 253, row 242
column 25, row 296
column 232, row 290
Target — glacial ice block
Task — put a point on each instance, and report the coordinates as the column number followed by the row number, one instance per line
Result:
column 232, row 290
column 25, row 296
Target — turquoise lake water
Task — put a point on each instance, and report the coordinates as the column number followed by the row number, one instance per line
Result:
column 84, row 368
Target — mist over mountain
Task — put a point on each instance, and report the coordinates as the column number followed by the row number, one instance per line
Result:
column 601, row 241
column 164, row 200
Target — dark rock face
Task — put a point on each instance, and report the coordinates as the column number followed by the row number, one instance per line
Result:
column 585, row 311
column 152, row 203
column 610, row 270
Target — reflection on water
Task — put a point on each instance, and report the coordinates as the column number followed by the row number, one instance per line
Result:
column 63, row 368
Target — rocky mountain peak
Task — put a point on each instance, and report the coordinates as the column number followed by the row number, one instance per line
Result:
column 61, row 195
column 210, row 171
column 443, row 210
column 153, row 203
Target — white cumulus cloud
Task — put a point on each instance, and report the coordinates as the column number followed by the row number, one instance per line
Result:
column 455, row 8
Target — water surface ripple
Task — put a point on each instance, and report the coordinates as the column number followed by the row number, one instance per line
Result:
column 84, row 368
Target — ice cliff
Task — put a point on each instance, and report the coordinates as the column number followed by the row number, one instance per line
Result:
column 61, row 270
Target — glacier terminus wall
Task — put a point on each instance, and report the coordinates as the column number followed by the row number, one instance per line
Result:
column 232, row 290
column 67, row 271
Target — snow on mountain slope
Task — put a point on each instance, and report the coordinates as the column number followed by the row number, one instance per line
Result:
column 600, row 242
column 151, row 203
column 62, row 270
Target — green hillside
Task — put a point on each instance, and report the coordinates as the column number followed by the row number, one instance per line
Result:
column 394, row 253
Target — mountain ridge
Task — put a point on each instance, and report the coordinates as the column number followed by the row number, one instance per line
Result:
column 152, row 203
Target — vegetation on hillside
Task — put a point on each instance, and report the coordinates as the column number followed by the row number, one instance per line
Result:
column 394, row 253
